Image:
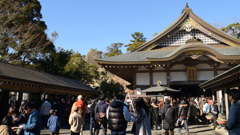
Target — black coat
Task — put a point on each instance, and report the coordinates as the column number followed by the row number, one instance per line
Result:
column 168, row 115
column 183, row 110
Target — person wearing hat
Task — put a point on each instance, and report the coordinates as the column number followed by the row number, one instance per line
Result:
column 214, row 110
column 76, row 122
column 54, row 123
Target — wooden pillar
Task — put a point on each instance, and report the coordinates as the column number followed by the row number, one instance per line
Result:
column 168, row 76
column 213, row 96
column 151, row 77
column 134, row 80
column 226, row 103
column 20, row 95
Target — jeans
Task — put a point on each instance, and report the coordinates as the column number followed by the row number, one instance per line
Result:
column 45, row 120
column 97, row 127
column 62, row 120
column 118, row 133
column 185, row 123
column 92, row 125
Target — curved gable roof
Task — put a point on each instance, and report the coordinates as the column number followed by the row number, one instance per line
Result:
column 203, row 26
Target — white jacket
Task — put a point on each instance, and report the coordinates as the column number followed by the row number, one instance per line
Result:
column 45, row 108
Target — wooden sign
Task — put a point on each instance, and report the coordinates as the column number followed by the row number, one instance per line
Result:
column 192, row 74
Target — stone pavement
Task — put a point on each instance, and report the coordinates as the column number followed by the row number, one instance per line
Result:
column 193, row 130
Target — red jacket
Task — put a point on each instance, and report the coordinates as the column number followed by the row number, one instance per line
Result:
column 79, row 104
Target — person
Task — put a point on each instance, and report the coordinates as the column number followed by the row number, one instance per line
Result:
column 156, row 110
column 17, row 118
column 54, row 123
column 5, row 128
column 143, row 123
column 45, row 109
column 118, row 115
column 82, row 107
column 151, row 113
column 210, row 101
column 201, row 104
column 21, row 111
column 161, row 104
column 193, row 112
column 206, row 107
column 168, row 115
column 196, row 101
column 233, row 124
column 62, row 112
column 92, row 115
column 214, row 110
column 183, row 115
column 100, row 110
column 33, row 125
column 76, row 121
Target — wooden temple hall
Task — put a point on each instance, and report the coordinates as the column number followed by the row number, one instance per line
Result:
column 187, row 53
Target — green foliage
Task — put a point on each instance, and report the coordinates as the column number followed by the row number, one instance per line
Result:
column 113, row 50
column 233, row 30
column 139, row 39
column 78, row 68
column 22, row 35
column 110, row 88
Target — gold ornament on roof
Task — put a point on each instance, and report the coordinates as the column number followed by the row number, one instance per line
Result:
column 159, row 82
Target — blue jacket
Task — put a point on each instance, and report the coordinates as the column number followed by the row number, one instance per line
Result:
column 33, row 125
column 215, row 111
column 233, row 125
column 102, row 106
column 53, row 124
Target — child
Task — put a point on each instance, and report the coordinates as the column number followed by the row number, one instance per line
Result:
column 54, row 123
column 76, row 121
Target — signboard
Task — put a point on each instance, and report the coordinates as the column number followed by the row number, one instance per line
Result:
column 192, row 74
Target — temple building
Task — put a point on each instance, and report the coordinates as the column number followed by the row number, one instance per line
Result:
column 187, row 53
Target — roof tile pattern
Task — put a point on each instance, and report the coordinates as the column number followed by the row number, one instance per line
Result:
column 26, row 74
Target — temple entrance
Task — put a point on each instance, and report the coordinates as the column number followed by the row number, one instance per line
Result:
column 189, row 91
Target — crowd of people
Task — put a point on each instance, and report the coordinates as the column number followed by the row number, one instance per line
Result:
column 145, row 114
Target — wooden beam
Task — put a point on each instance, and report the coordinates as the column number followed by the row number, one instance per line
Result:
column 151, row 77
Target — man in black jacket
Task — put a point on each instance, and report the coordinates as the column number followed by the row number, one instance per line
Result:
column 101, row 109
column 118, row 116
column 183, row 114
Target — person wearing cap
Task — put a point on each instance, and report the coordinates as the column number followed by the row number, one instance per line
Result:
column 214, row 110
column 76, row 121
column 54, row 123
column 82, row 107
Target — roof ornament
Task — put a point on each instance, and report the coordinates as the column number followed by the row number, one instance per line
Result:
column 188, row 27
column 194, row 40
column 159, row 83
column 186, row 8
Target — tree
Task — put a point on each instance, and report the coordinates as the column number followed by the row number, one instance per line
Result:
column 113, row 50
column 77, row 68
column 22, row 35
column 110, row 88
column 233, row 30
column 139, row 39
column 53, row 62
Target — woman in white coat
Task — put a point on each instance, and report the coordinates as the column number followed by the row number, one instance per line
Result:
column 143, row 123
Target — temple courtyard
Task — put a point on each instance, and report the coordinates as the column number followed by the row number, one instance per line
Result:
column 193, row 130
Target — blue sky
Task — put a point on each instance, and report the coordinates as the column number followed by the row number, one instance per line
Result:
column 86, row 24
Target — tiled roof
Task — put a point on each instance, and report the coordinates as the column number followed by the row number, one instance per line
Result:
column 143, row 55
column 34, row 76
